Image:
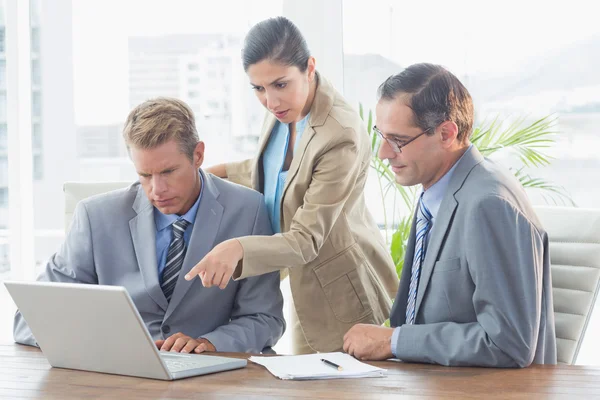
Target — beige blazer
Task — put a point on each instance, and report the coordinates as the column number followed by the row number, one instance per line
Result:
column 340, row 270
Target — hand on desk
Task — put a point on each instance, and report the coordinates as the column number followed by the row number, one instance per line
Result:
column 217, row 267
column 184, row 344
column 369, row 342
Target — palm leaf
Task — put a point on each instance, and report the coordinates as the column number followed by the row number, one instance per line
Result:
column 399, row 242
column 528, row 142
column 551, row 193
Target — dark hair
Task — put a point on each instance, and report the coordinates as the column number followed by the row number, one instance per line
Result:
column 275, row 39
column 435, row 95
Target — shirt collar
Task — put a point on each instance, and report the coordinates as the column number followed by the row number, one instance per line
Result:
column 433, row 196
column 163, row 221
column 300, row 125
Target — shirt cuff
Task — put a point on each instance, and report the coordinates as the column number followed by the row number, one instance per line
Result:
column 395, row 336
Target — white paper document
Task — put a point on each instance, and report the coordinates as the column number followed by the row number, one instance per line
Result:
column 310, row 366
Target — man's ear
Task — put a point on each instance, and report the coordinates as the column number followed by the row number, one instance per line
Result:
column 449, row 133
column 311, row 68
column 199, row 154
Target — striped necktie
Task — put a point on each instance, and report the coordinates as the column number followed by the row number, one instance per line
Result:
column 423, row 227
column 175, row 258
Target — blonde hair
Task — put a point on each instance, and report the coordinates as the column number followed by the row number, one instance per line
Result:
column 156, row 121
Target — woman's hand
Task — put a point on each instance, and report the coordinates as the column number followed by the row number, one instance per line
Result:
column 217, row 267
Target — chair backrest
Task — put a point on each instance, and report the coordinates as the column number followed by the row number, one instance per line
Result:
column 77, row 191
column 574, row 235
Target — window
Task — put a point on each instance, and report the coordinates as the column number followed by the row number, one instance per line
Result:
column 3, row 138
column 2, row 74
column 4, row 179
column 3, row 197
column 158, row 51
column 4, row 256
column 4, row 249
column 36, row 136
column 36, row 72
column 100, row 142
column 546, row 71
column 36, row 104
column 35, row 39
column 2, row 106
column 35, row 12
column 38, row 167
column 58, row 108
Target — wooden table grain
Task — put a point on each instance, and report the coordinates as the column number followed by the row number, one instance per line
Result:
column 25, row 374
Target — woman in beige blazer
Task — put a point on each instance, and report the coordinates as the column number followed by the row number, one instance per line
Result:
column 312, row 165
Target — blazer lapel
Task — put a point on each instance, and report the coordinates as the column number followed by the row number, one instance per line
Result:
column 398, row 313
column 204, row 233
column 268, row 126
column 440, row 227
column 319, row 111
column 143, row 233
column 443, row 220
column 298, row 156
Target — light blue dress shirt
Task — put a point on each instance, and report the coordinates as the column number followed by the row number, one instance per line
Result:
column 274, row 176
column 164, row 230
column 432, row 198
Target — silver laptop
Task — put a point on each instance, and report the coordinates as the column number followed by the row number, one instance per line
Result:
column 98, row 328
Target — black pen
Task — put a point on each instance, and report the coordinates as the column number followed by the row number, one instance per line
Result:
column 332, row 364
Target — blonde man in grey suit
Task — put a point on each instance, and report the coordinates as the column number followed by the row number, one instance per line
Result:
column 476, row 287
column 147, row 236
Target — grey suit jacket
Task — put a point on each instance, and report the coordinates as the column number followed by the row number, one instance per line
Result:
column 112, row 242
column 485, row 294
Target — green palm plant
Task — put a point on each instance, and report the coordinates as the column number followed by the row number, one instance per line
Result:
column 527, row 141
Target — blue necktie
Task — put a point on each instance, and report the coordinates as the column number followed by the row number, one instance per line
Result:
column 423, row 226
column 175, row 258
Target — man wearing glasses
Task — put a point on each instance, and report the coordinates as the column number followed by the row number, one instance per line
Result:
column 476, row 287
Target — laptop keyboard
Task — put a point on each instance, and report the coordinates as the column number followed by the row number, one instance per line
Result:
column 178, row 363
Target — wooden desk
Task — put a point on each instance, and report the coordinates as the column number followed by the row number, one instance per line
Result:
column 25, row 373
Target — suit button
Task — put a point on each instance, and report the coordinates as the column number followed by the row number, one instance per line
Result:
column 166, row 329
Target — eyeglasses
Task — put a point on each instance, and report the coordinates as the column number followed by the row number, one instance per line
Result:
column 394, row 144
